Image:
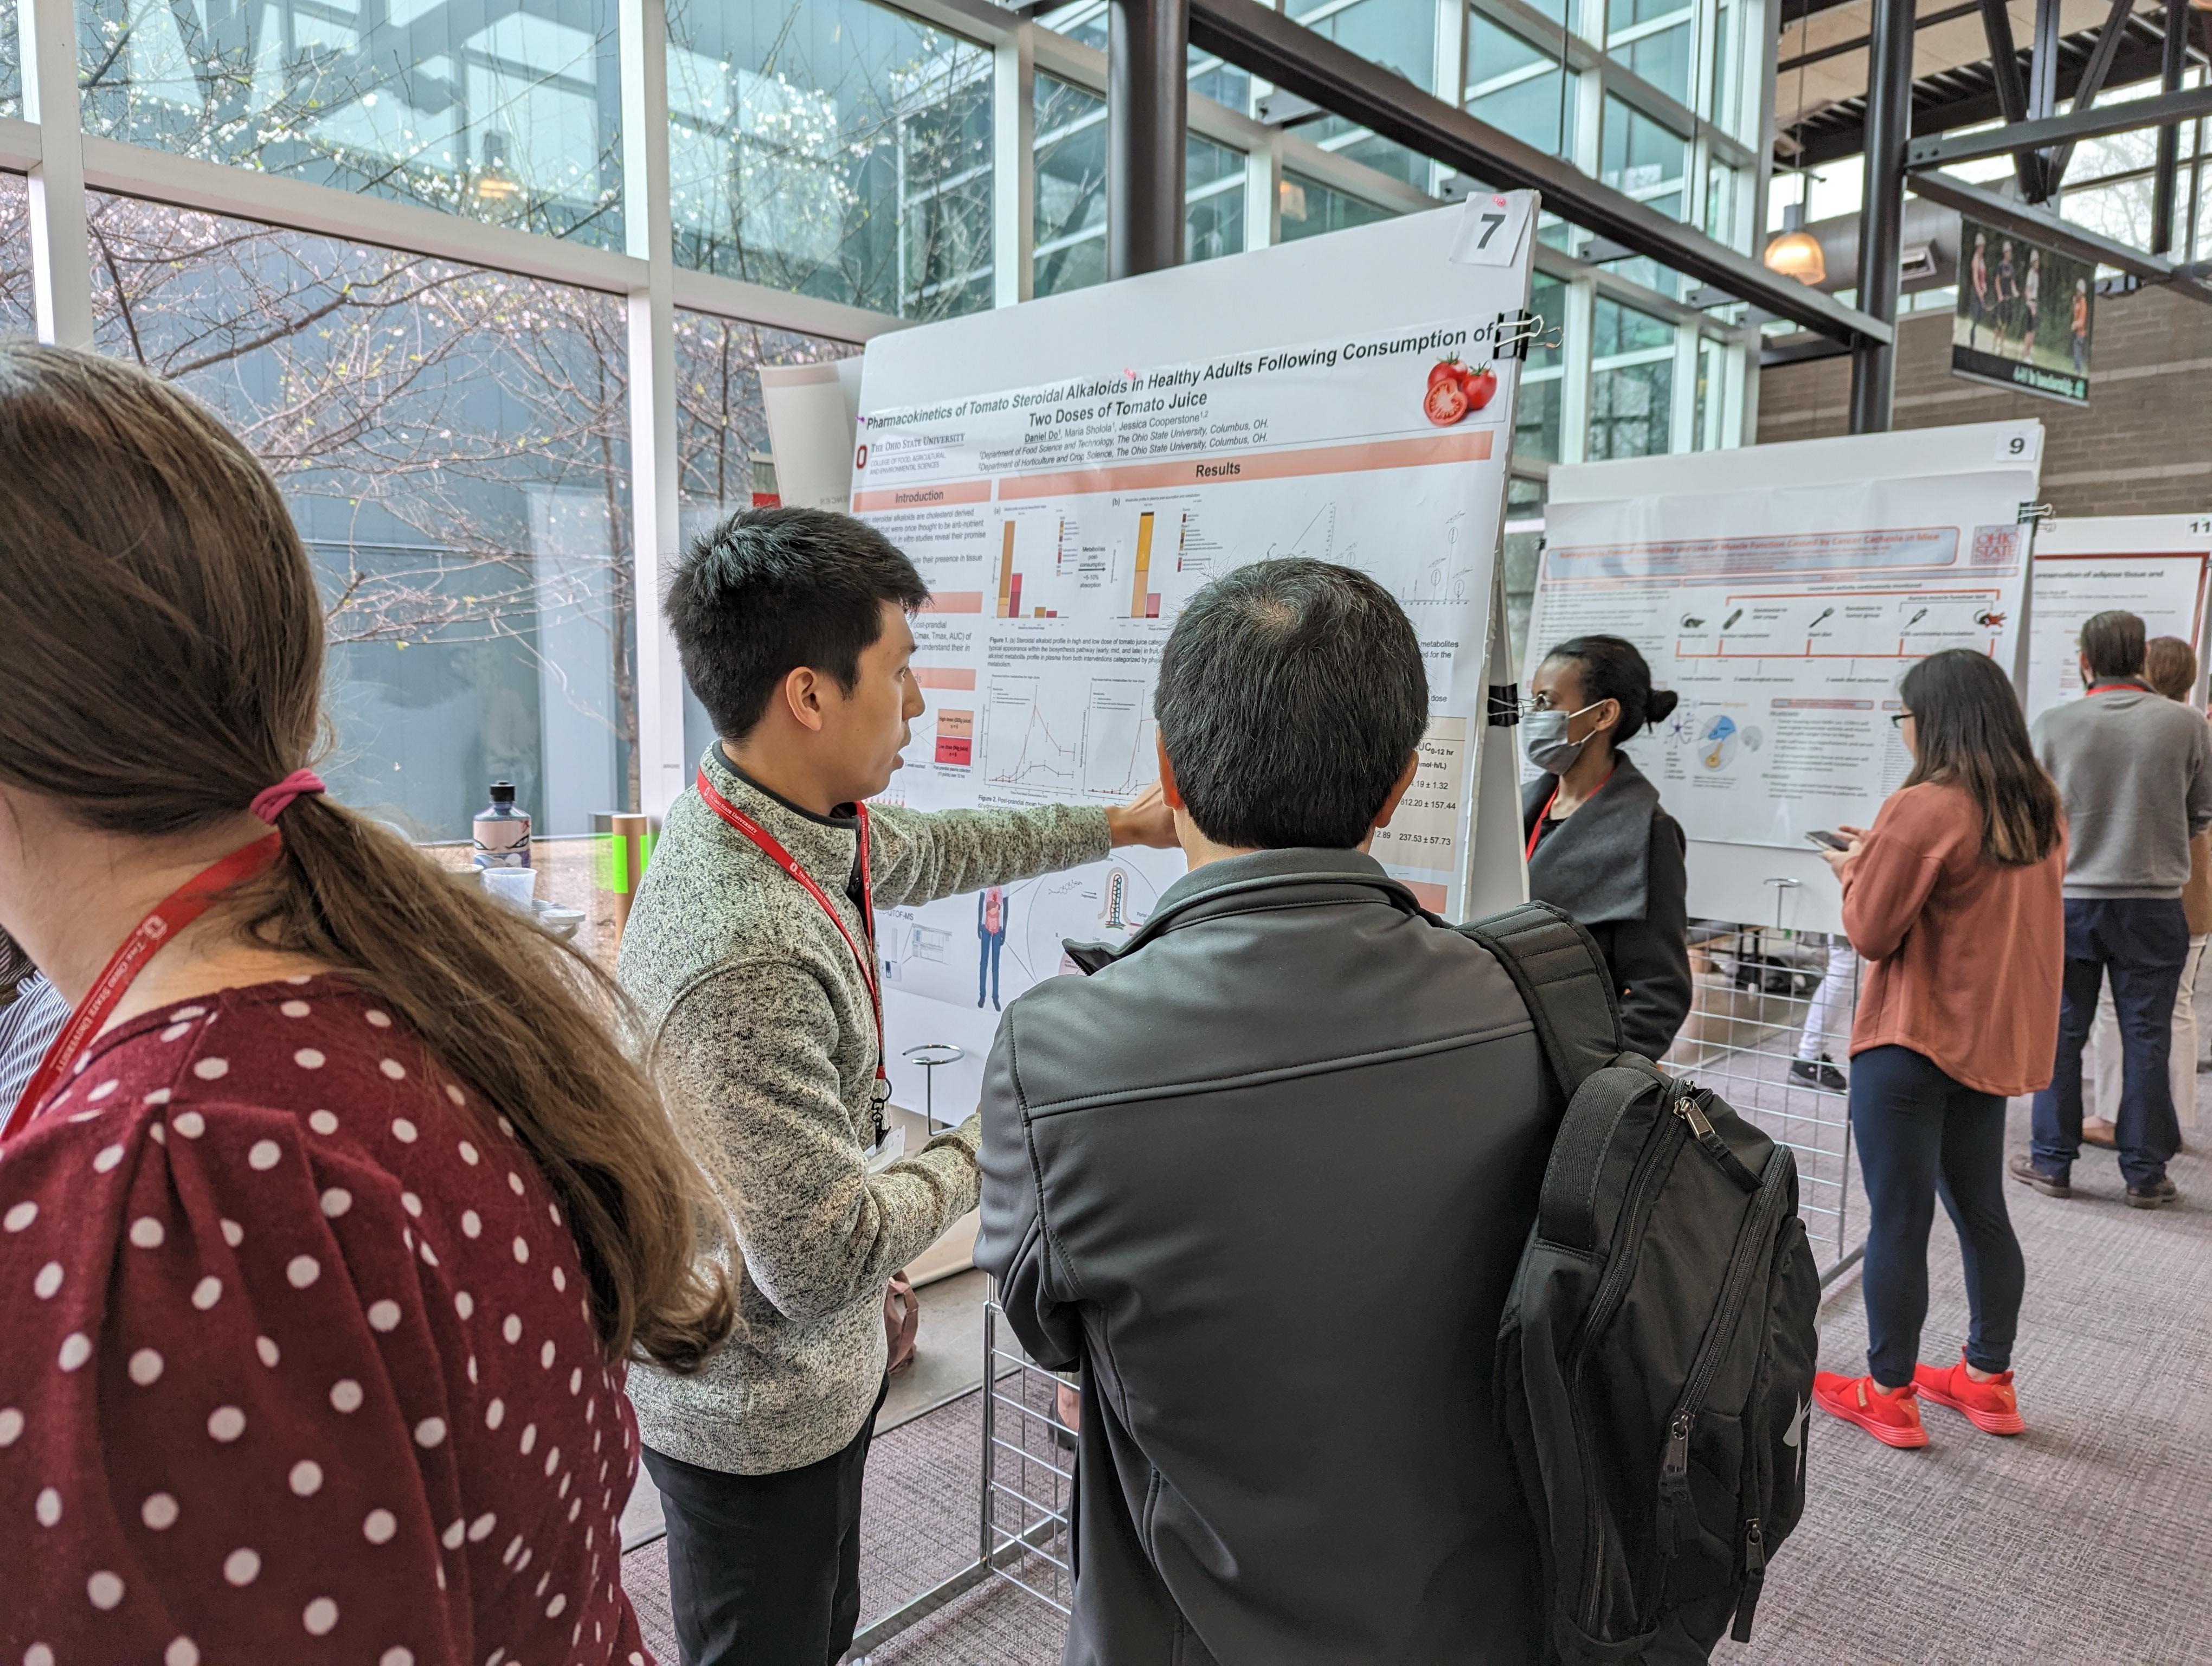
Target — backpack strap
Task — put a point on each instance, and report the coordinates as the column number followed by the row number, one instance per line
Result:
column 1566, row 1210
column 1563, row 980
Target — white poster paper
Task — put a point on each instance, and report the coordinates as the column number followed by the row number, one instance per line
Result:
column 1341, row 404
column 812, row 410
column 2150, row 565
column 1781, row 592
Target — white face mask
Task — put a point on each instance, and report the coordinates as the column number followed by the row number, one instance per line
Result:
column 1544, row 737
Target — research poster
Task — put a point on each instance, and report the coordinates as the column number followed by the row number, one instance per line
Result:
column 1781, row 592
column 1068, row 474
column 2150, row 565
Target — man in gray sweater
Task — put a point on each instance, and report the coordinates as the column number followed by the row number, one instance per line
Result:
column 750, row 959
column 2135, row 769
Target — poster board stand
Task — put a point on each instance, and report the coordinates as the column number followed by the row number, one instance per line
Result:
column 2154, row 566
column 1497, row 864
column 1781, row 590
column 1067, row 474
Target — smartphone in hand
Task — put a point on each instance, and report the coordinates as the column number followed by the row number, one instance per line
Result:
column 1828, row 840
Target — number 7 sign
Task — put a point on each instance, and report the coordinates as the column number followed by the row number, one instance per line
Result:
column 1492, row 227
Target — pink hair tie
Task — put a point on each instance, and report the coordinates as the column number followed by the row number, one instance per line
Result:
column 272, row 802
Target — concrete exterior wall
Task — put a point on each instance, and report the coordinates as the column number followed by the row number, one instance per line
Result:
column 2143, row 447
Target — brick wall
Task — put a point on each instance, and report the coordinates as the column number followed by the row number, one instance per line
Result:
column 2143, row 447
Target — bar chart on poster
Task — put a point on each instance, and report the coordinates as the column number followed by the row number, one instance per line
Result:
column 1067, row 488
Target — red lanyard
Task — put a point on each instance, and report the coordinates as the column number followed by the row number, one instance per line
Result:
column 183, row 906
column 783, row 859
column 1536, row 832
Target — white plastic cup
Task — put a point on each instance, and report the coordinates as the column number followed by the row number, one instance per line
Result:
column 514, row 886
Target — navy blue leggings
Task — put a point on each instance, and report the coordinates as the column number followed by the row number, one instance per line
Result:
column 1922, row 1135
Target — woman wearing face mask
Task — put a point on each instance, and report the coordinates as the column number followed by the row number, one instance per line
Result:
column 1600, row 844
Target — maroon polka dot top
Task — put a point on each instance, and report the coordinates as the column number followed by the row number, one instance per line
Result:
column 298, row 1363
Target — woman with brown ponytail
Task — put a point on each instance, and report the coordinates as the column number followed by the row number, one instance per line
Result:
column 332, row 1221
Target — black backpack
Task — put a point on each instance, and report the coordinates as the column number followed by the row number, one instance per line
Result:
column 1654, row 1359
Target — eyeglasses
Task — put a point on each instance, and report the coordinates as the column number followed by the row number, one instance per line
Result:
column 1897, row 719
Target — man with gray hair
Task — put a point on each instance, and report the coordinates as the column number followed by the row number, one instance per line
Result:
column 2135, row 769
column 1266, row 1175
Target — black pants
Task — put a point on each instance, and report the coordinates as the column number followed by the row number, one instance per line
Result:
column 1922, row 1135
column 765, row 1570
column 2143, row 944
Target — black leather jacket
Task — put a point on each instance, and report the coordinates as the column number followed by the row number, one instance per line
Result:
column 1267, row 1175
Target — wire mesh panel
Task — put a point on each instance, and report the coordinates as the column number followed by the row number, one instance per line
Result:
column 1769, row 1032
column 1029, row 1471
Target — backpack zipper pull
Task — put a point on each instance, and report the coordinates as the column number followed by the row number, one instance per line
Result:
column 1677, row 1463
column 1754, row 1576
column 1701, row 1129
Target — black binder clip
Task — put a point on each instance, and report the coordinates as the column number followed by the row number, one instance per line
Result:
column 1512, row 334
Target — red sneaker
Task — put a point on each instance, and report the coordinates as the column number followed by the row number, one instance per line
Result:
column 1890, row 1415
column 1991, row 1406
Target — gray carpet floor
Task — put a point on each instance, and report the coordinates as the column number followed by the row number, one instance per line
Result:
column 2087, row 1542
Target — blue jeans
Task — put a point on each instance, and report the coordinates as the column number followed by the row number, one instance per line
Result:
column 2143, row 942
column 1922, row 1135
column 987, row 968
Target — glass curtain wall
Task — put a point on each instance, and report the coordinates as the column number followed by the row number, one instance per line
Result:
column 16, row 314
column 451, row 444
column 509, row 114
column 1310, row 208
column 1401, row 35
column 1071, row 192
column 721, row 429
column 833, row 148
column 456, row 440
column 1631, row 382
column 1519, row 87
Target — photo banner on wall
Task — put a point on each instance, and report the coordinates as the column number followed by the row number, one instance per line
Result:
column 1068, row 474
column 2024, row 315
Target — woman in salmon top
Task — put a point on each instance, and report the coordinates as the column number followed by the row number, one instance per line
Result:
column 1953, row 898
column 330, row 1222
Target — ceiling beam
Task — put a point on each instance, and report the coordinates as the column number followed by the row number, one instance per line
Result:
column 2094, row 76
column 2139, row 59
column 1860, row 42
column 2010, row 87
column 1942, row 150
column 1301, row 61
column 2041, row 226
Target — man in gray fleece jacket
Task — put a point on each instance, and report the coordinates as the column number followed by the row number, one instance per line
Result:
column 2135, row 769
column 755, row 991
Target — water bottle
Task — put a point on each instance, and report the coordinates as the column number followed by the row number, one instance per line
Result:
column 502, row 831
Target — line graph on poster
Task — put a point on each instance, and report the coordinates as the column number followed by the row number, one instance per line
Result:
column 1093, row 737
column 1033, row 734
column 1121, row 745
